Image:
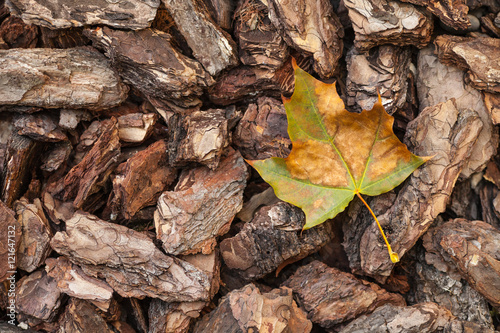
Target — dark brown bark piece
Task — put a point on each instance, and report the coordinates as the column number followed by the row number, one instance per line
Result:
column 201, row 207
column 331, row 296
column 198, row 137
column 34, row 244
column 20, row 157
column 222, row 12
column 172, row 317
column 136, row 127
column 248, row 310
column 72, row 281
column 489, row 197
column 473, row 246
column 452, row 13
column 86, row 178
column 39, row 126
column 81, row 316
column 211, row 46
column 141, row 180
column 266, row 197
column 128, row 261
column 55, row 14
column 311, row 27
column 18, row 34
column 422, row 318
column 56, row 156
column 149, row 60
column 262, row 132
column 38, row 297
column 388, row 22
column 260, row 43
column 272, row 240
column 62, row 38
column 437, row 83
column 449, row 136
column 79, row 78
column 9, row 241
column 478, row 56
column 384, row 70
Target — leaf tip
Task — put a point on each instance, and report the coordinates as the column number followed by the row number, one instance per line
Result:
column 294, row 64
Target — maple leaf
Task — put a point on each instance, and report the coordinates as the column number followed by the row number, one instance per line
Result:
column 335, row 154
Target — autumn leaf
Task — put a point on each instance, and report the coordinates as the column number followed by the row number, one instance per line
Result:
column 335, row 154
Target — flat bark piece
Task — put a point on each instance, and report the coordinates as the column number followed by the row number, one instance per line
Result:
column 128, row 261
column 383, row 71
column 211, row 46
column 422, row 318
column 136, row 127
column 141, row 180
column 449, row 135
column 272, row 240
column 266, row 197
column 149, row 60
column 20, row 157
column 70, row 118
column 210, row 264
column 262, row 132
column 34, row 245
column 79, row 78
column 81, row 316
column 39, row 126
column 72, row 281
column 247, row 309
column 311, row 27
column 473, row 246
column 260, row 43
column 9, row 241
column 437, row 83
column 172, row 317
column 331, row 296
column 17, row 34
column 388, row 22
column 198, row 137
column 62, row 38
column 478, row 56
column 201, row 207
column 88, row 176
column 56, row 14
column 38, row 297
column 56, row 156
column 57, row 210
column 452, row 13
column 492, row 104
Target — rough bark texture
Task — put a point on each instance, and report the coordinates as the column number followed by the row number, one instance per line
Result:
column 149, row 61
column 262, row 132
column 388, row 22
column 312, row 27
column 492, row 104
column 438, row 83
column 34, row 245
column 128, row 261
column 201, row 207
column 346, row 297
column 449, row 137
column 271, row 241
column 211, row 45
column 9, row 241
column 40, row 126
column 385, row 71
column 76, row 78
column 477, row 56
column 17, row 34
column 80, row 316
column 473, row 246
column 248, row 309
column 72, row 281
column 56, row 14
column 452, row 13
column 140, row 181
column 198, row 137
column 136, row 128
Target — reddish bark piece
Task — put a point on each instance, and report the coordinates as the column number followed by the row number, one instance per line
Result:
column 72, row 281
column 18, row 34
column 248, row 309
column 9, row 241
column 129, row 261
column 343, row 297
column 136, row 127
column 473, row 246
column 140, row 181
column 81, row 316
column 91, row 173
column 201, row 207
column 271, row 241
column 34, row 245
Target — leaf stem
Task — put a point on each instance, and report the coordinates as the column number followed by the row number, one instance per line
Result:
column 393, row 255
